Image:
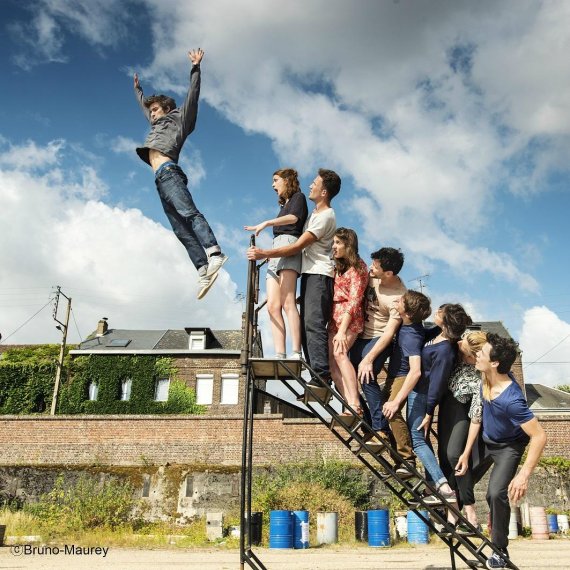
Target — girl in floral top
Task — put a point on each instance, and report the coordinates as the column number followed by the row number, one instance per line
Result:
column 461, row 404
column 347, row 321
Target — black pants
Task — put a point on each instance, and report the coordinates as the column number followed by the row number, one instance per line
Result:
column 452, row 428
column 505, row 458
column 316, row 310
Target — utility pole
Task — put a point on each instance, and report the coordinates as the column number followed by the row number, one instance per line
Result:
column 63, row 328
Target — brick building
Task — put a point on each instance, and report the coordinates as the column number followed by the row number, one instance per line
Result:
column 207, row 360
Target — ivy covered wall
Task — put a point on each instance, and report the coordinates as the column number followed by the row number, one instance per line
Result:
column 109, row 372
column 27, row 376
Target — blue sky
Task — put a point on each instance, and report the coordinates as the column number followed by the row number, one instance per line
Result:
column 448, row 122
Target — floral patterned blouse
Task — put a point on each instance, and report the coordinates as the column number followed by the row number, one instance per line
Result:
column 465, row 385
column 349, row 289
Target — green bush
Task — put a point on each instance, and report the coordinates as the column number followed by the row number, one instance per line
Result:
column 87, row 504
column 338, row 476
column 27, row 377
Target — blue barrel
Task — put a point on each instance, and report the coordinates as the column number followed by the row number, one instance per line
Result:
column 379, row 527
column 280, row 529
column 301, row 529
column 417, row 529
column 552, row 523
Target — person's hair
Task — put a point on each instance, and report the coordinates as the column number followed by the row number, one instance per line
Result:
column 475, row 340
column 505, row 352
column 351, row 257
column 291, row 183
column 331, row 182
column 390, row 259
column 417, row 306
column 167, row 103
column 454, row 320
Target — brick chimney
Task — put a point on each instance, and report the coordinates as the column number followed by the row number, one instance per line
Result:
column 102, row 327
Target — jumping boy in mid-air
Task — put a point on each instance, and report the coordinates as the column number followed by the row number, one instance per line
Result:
column 170, row 126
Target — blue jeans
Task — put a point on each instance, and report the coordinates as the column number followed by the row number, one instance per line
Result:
column 417, row 407
column 374, row 396
column 189, row 225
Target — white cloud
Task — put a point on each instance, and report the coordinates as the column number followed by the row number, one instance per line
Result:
column 545, row 340
column 112, row 261
column 102, row 23
column 29, row 156
column 424, row 107
column 124, row 145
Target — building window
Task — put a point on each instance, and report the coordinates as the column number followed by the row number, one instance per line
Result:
column 126, row 389
column 204, row 388
column 230, row 386
column 161, row 390
column 197, row 340
column 93, row 391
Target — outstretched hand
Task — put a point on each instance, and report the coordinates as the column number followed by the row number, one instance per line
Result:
column 257, row 229
column 196, row 56
column 136, row 81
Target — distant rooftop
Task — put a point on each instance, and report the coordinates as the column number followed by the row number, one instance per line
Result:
column 133, row 340
column 543, row 399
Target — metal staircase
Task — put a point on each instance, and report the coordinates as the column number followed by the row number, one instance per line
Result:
column 356, row 435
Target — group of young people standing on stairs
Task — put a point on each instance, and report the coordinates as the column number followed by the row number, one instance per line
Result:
column 354, row 320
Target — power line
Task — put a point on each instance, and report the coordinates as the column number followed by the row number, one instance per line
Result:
column 548, row 351
column 76, row 327
column 24, row 324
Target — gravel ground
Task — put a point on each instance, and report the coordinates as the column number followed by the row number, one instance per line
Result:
column 527, row 554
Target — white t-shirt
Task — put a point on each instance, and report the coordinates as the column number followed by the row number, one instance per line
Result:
column 316, row 257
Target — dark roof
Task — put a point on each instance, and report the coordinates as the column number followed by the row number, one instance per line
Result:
column 160, row 340
column 542, row 399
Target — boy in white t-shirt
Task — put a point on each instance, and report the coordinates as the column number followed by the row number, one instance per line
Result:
column 317, row 270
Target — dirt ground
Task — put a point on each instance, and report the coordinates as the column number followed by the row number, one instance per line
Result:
column 527, row 554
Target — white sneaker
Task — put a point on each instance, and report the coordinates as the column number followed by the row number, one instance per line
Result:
column 215, row 263
column 204, row 284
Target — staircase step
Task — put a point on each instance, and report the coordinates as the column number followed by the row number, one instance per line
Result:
column 319, row 395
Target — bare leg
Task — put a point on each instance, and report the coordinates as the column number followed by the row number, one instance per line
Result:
column 471, row 514
column 347, row 373
column 336, row 374
column 288, row 288
column 276, row 314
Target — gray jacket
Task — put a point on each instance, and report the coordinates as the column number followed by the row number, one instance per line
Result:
column 168, row 134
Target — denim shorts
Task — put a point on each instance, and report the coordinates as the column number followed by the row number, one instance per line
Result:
column 277, row 264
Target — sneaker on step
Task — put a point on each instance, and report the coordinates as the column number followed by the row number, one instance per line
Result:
column 403, row 472
column 215, row 263
column 205, row 281
column 496, row 561
column 435, row 500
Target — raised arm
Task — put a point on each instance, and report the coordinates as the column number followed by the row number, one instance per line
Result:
column 140, row 97
column 189, row 109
